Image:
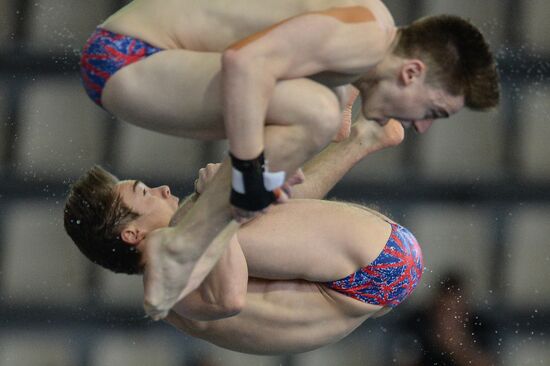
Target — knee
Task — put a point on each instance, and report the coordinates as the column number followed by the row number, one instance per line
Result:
column 325, row 118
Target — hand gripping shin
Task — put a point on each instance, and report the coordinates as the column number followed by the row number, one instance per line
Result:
column 252, row 184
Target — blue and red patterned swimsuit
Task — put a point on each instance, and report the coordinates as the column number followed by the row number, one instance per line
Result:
column 104, row 54
column 391, row 277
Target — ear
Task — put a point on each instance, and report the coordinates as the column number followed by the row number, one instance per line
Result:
column 132, row 235
column 412, row 70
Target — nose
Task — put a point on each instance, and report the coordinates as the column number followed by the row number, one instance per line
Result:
column 164, row 191
column 423, row 125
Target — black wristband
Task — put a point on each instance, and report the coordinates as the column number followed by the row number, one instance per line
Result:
column 251, row 194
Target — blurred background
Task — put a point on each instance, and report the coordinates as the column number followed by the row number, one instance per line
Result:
column 475, row 190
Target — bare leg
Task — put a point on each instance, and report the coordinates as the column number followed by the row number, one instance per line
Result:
column 312, row 240
column 188, row 248
column 326, row 169
column 178, row 92
column 177, row 253
column 211, row 213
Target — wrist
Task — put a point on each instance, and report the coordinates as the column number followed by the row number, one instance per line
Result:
column 248, row 151
column 252, row 183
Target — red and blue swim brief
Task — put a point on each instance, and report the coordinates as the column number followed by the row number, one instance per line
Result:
column 104, row 54
column 391, row 277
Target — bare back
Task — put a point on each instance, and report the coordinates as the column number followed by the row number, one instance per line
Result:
column 212, row 26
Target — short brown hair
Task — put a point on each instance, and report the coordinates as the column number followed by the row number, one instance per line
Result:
column 94, row 217
column 458, row 58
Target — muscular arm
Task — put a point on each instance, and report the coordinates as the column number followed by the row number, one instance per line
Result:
column 222, row 294
column 178, row 259
column 184, row 207
column 280, row 317
column 223, row 291
column 344, row 40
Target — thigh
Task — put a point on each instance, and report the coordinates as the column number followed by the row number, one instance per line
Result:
column 178, row 92
column 173, row 91
column 312, row 240
column 301, row 101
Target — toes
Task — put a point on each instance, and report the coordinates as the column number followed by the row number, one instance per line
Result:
column 345, row 128
column 395, row 133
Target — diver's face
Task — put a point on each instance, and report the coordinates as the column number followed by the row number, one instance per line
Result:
column 415, row 104
column 156, row 206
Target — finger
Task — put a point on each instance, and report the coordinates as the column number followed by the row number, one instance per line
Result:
column 287, row 188
column 300, row 175
column 196, row 185
column 297, row 178
column 280, row 195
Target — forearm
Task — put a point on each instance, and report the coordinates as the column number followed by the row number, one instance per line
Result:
column 223, row 292
column 247, row 88
column 208, row 225
column 178, row 259
column 184, row 208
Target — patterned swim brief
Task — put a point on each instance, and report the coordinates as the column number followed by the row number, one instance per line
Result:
column 391, row 277
column 104, row 54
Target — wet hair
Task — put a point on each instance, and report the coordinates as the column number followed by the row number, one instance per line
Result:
column 457, row 56
column 94, row 217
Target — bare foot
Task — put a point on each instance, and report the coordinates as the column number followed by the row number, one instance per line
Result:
column 167, row 271
column 375, row 137
column 345, row 127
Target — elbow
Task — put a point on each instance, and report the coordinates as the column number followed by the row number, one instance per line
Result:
column 248, row 63
column 249, row 69
column 236, row 60
column 232, row 305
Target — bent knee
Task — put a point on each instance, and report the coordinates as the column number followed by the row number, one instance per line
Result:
column 324, row 117
column 305, row 103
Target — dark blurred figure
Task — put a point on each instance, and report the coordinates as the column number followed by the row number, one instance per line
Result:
column 446, row 332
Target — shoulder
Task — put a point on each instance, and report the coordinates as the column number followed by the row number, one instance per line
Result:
column 351, row 14
column 370, row 14
column 380, row 15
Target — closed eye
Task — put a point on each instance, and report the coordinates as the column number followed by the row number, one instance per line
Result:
column 440, row 113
